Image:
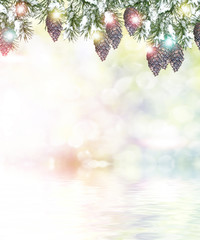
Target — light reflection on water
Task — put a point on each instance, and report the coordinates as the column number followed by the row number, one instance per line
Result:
column 105, row 207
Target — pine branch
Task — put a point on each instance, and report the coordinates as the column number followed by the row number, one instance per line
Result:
column 25, row 30
column 160, row 18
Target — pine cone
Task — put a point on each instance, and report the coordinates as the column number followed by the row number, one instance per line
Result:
column 54, row 27
column 5, row 46
column 154, row 60
column 164, row 56
column 197, row 34
column 102, row 47
column 132, row 20
column 114, row 32
column 176, row 57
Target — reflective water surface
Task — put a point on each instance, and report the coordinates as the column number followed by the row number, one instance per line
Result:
column 100, row 206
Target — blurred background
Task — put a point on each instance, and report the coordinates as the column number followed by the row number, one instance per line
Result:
column 61, row 107
column 98, row 151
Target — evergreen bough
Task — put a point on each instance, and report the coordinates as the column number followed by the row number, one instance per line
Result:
column 160, row 19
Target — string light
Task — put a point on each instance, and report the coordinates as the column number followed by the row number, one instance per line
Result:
column 135, row 20
column 9, row 35
column 109, row 18
column 185, row 10
column 56, row 14
column 149, row 49
column 21, row 9
column 96, row 36
column 169, row 42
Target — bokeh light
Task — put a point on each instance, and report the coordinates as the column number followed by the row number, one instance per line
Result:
column 149, row 49
column 93, row 150
column 97, row 36
column 9, row 35
column 109, row 18
column 21, row 9
column 56, row 14
column 185, row 10
column 169, row 42
column 136, row 19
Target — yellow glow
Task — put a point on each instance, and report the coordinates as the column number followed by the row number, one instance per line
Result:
column 96, row 36
column 56, row 14
column 185, row 10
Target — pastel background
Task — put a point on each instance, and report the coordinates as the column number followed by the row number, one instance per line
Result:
column 97, row 151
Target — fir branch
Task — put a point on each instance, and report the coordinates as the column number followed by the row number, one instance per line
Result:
column 160, row 18
column 72, row 26
column 25, row 30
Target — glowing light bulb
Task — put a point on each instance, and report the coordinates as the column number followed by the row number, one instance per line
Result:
column 56, row 14
column 149, row 49
column 109, row 18
column 9, row 35
column 96, row 36
column 21, row 9
column 169, row 42
column 185, row 10
column 135, row 20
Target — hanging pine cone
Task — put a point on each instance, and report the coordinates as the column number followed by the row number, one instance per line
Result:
column 176, row 57
column 102, row 46
column 54, row 27
column 113, row 30
column 6, row 45
column 164, row 56
column 132, row 20
column 197, row 34
column 154, row 60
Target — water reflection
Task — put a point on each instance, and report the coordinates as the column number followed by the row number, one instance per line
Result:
column 102, row 206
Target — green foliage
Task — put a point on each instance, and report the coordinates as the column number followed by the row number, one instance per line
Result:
column 25, row 30
column 160, row 18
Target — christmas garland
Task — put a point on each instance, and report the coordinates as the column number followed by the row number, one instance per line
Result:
column 168, row 26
